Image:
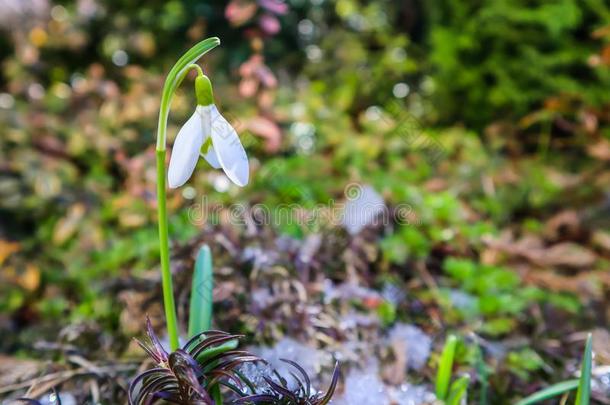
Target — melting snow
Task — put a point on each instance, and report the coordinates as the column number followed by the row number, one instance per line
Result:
column 311, row 359
column 408, row 394
column 364, row 387
column 256, row 373
column 416, row 343
column 52, row 399
column 362, row 208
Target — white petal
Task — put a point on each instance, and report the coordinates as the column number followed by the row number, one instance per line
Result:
column 210, row 155
column 185, row 152
column 211, row 158
column 229, row 150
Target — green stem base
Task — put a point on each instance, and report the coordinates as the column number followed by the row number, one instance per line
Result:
column 166, row 275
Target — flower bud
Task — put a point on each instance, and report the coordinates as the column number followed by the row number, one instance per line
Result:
column 203, row 90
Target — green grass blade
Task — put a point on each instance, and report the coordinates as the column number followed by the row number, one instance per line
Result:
column 200, row 318
column 482, row 376
column 444, row 368
column 549, row 392
column 583, row 395
column 217, row 395
column 458, row 390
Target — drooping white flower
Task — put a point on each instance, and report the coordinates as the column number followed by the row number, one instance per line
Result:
column 207, row 133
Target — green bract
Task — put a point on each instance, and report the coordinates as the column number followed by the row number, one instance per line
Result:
column 203, row 90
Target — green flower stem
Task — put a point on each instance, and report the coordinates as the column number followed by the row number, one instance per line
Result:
column 166, row 276
column 197, row 68
column 173, row 80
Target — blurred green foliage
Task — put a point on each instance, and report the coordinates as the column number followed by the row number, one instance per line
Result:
column 411, row 98
column 494, row 294
column 77, row 187
column 501, row 59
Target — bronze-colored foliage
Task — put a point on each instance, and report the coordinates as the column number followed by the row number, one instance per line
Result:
column 189, row 375
column 280, row 394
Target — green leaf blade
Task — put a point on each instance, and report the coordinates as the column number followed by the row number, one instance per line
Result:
column 583, row 395
column 445, row 367
column 200, row 318
column 549, row 392
column 458, row 390
column 212, row 352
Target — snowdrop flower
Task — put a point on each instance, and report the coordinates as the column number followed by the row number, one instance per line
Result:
column 207, row 133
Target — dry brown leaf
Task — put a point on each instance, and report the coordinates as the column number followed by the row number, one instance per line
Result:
column 600, row 239
column 563, row 179
column 565, row 254
column 225, row 290
column 129, row 219
column 67, row 226
column 265, row 99
column 530, row 247
column 238, row 12
column 564, row 224
column 582, row 285
column 601, row 345
column 14, row 370
column 136, row 307
column 394, row 372
column 436, row 184
column 267, row 129
column 30, row 279
column 7, row 248
column 490, row 257
column 600, row 150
